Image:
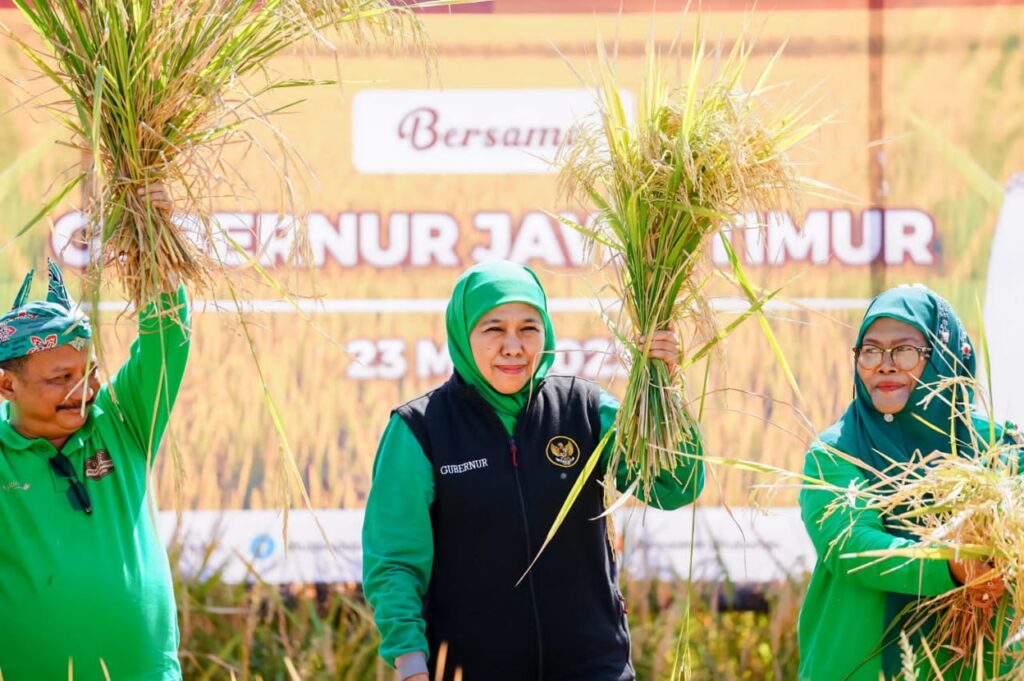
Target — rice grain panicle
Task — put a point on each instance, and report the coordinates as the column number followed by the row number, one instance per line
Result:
column 153, row 90
column 665, row 185
column 964, row 503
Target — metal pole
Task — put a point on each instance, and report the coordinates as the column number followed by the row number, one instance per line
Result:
column 877, row 185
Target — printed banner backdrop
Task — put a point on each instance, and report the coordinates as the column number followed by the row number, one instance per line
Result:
column 416, row 170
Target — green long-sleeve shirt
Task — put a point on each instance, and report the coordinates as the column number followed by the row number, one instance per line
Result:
column 94, row 589
column 398, row 550
column 842, row 620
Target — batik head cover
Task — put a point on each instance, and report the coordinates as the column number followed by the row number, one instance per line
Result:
column 43, row 324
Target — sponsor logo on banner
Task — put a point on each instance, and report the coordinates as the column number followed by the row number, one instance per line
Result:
column 262, row 546
column 465, row 131
column 241, row 546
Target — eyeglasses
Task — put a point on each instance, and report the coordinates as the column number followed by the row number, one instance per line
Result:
column 77, row 495
column 904, row 357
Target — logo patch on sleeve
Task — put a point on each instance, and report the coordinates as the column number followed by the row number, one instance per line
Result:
column 563, row 451
column 99, row 465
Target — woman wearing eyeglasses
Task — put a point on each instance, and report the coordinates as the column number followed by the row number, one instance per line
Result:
column 850, row 622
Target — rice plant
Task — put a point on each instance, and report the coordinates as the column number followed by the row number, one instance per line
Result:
column 665, row 184
column 153, row 90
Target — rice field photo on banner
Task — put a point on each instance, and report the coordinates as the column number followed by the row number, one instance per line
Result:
column 412, row 175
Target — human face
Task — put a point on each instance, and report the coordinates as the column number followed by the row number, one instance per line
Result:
column 50, row 394
column 506, row 343
column 888, row 385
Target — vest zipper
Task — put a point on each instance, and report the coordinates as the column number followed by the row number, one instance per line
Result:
column 529, row 544
column 514, row 452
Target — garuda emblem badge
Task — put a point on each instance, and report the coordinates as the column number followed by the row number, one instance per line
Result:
column 563, row 451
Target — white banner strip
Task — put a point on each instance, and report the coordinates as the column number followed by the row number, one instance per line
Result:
column 738, row 544
column 437, row 305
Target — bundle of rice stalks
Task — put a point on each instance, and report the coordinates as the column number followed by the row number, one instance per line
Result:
column 665, row 184
column 965, row 503
column 152, row 90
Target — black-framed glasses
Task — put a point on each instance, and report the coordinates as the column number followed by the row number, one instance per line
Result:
column 77, row 495
column 904, row 357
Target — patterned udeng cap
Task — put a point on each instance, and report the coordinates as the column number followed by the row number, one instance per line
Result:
column 42, row 325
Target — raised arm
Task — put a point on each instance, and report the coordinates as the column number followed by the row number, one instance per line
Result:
column 144, row 389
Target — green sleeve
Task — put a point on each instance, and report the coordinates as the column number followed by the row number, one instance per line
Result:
column 1006, row 433
column 398, row 541
column 851, row 528
column 673, row 488
column 144, row 389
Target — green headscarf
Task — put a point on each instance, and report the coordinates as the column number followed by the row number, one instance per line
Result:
column 479, row 290
column 42, row 325
column 863, row 432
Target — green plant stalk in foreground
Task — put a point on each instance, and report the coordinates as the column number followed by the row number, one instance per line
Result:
column 325, row 632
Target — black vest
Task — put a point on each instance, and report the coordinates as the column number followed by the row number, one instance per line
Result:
column 495, row 499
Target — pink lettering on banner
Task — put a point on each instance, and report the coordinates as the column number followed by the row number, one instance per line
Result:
column 418, row 126
column 422, row 128
column 466, row 131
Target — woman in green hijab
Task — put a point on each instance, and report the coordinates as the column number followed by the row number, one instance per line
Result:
column 467, row 480
column 909, row 340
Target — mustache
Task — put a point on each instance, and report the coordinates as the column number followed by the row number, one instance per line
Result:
column 77, row 405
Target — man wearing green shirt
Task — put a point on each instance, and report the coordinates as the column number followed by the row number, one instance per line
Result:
column 85, row 584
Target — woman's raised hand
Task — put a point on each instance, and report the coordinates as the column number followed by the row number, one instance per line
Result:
column 157, row 195
column 664, row 346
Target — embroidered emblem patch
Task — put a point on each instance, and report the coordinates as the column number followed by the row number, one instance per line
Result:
column 456, row 469
column 99, row 465
column 563, row 451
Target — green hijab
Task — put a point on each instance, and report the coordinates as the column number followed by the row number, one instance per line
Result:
column 479, row 290
column 863, row 432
